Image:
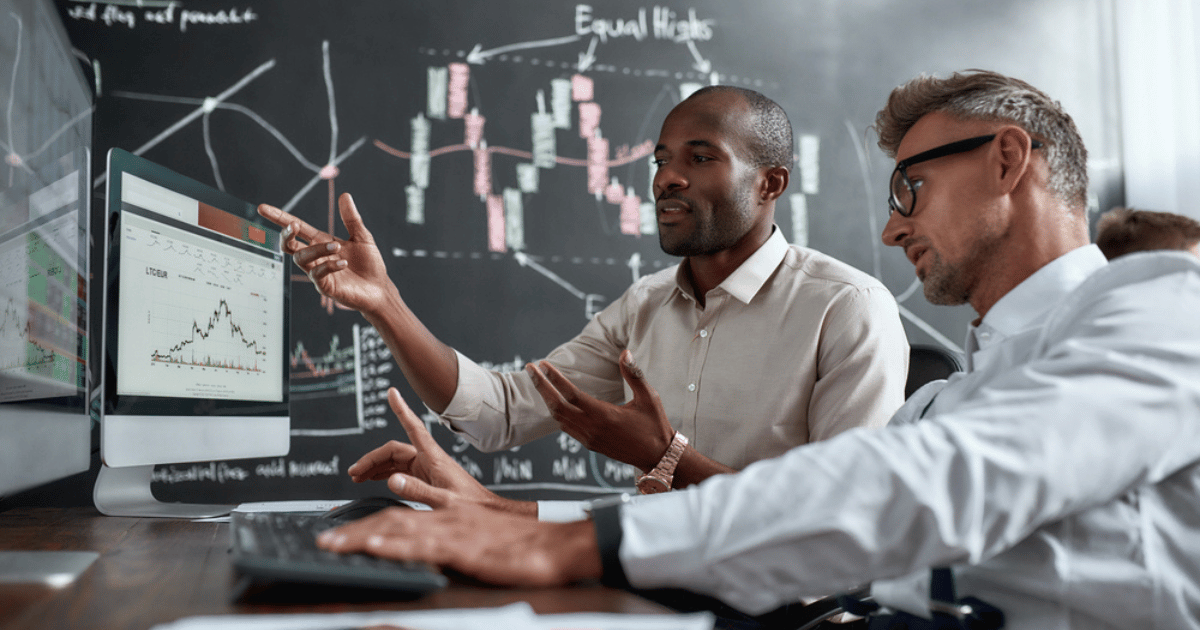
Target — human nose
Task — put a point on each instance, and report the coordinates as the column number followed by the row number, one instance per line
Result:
column 668, row 178
column 898, row 228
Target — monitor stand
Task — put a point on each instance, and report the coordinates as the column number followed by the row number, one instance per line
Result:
column 125, row 491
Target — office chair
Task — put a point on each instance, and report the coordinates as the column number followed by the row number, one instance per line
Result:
column 929, row 363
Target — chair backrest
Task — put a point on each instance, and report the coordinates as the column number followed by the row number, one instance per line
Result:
column 929, row 363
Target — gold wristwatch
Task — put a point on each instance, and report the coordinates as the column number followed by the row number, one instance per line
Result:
column 660, row 478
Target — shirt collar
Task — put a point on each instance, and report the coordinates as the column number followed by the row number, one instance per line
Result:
column 745, row 281
column 1035, row 296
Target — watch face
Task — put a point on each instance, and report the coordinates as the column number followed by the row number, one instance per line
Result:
column 651, row 485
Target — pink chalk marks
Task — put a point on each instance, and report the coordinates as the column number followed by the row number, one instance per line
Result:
column 582, row 88
column 473, row 123
column 460, row 74
column 495, row 225
column 631, row 215
column 589, row 119
column 600, row 183
column 597, row 165
column 483, row 171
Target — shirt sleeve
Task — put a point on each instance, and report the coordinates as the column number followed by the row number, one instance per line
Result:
column 562, row 511
column 1031, row 446
column 862, row 366
column 497, row 410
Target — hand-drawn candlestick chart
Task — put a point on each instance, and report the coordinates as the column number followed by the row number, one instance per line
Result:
column 566, row 123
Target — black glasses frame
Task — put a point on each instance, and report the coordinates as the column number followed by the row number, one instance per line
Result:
column 961, row 146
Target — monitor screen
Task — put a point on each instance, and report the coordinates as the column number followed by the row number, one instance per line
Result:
column 45, row 426
column 201, row 307
column 45, row 141
column 196, row 323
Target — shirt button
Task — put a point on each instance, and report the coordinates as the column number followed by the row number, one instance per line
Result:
column 703, row 333
column 691, row 387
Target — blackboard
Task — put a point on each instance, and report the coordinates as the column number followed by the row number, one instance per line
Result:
column 438, row 116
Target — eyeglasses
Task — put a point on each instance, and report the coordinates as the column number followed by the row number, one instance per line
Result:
column 903, row 194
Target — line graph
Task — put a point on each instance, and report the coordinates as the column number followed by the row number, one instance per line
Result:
column 355, row 375
column 197, row 315
column 42, row 349
column 19, row 348
column 219, row 343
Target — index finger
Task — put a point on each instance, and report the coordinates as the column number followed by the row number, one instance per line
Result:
column 572, row 394
column 553, row 398
column 381, row 462
column 297, row 226
column 413, row 426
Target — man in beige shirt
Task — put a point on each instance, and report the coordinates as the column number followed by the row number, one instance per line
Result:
column 754, row 345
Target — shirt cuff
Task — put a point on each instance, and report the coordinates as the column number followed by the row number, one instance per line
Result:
column 464, row 405
column 562, row 511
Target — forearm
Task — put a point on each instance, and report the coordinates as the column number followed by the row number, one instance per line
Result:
column 574, row 545
column 429, row 365
column 694, row 467
column 513, row 506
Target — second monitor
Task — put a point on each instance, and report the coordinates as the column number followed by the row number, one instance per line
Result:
column 196, row 328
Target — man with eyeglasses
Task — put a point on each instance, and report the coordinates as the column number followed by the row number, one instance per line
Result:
column 1057, row 479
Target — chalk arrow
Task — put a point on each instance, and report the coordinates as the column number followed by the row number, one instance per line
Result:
column 525, row 261
column 479, row 56
column 701, row 64
column 586, row 59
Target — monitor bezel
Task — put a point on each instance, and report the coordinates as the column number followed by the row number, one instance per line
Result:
column 139, row 429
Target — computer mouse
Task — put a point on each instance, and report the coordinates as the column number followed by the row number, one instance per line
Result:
column 358, row 508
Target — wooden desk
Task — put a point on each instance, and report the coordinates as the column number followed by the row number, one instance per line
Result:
column 153, row 571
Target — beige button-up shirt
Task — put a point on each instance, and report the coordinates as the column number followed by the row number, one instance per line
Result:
column 793, row 347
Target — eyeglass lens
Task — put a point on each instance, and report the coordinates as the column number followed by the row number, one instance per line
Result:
column 902, row 194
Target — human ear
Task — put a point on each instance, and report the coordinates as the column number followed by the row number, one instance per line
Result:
column 1014, row 148
column 774, row 182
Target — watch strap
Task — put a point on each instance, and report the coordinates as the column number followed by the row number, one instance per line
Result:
column 664, row 471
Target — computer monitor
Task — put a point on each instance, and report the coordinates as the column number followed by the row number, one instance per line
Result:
column 45, row 427
column 45, row 139
column 196, row 331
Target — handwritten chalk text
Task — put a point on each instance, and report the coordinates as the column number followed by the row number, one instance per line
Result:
column 172, row 13
column 660, row 23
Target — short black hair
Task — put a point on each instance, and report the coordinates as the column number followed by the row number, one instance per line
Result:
column 772, row 144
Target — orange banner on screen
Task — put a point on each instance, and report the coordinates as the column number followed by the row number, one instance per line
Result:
column 218, row 220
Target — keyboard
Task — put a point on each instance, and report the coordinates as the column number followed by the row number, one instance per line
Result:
column 282, row 547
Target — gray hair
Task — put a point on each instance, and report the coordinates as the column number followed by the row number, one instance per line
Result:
column 989, row 96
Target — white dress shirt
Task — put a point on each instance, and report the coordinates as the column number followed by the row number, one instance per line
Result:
column 1059, row 477
column 794, row 346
